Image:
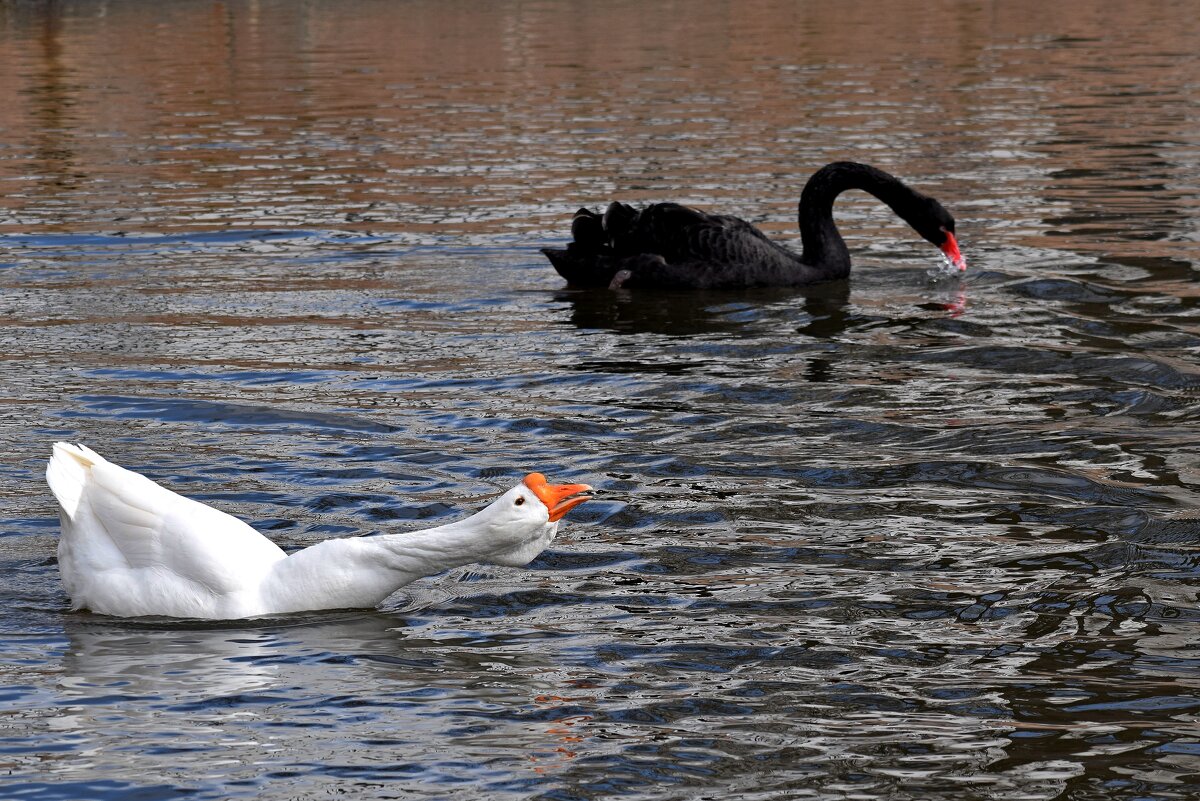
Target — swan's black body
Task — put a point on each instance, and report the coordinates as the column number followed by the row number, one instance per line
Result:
column 669, row 245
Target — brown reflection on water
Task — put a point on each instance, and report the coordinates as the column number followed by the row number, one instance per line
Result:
column 493, row 118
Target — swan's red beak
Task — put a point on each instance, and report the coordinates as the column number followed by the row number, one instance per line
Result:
column 951, row 252
column 558, row 498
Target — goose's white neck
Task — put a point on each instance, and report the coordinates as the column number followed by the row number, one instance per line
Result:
column 361, row 572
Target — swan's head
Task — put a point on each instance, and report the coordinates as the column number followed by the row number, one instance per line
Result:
column 522, row 522
column 936, row 225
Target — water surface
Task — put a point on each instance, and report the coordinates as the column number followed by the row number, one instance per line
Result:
column 895, row 537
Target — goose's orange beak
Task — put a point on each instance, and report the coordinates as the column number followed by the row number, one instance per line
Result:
column 558, row 498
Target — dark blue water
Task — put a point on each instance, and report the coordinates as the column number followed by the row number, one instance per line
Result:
column 898, row 537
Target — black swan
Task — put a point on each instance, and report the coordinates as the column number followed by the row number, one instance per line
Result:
column 669, row 245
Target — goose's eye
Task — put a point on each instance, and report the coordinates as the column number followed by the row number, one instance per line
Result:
column 520, row 501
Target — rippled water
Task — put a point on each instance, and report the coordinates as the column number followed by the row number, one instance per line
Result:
column 896, row 537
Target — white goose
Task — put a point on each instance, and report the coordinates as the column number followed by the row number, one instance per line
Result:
column 130, row 547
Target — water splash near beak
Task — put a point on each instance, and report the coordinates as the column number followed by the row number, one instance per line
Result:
column 946, row 268
column 952, row 255
column 953, row 261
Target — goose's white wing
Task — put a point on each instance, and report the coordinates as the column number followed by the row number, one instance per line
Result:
column 126, row 538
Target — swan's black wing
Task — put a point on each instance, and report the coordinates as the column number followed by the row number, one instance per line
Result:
column 668, row 244
column 683, row 235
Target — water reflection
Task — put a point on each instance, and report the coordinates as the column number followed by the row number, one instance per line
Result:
column 823, row 308
column 826, row 306
column 132, row 665
column 672, row 313
column 52, row 100
column 362, row 674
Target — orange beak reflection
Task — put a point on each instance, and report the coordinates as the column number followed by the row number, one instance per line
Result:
column 558, row 498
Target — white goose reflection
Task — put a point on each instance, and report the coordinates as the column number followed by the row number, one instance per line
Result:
column 146, row 670
column 238, row 702
column 179, row 660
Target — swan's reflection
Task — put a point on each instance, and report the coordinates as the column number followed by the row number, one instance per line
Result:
column 678, row 313
column 953, row 299
column 826, row 310
column 674, row 313
column 821, row 307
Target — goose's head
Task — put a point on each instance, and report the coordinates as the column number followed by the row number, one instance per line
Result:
column 522, row 522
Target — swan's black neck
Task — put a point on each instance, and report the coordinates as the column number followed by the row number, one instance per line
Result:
column 824, row 247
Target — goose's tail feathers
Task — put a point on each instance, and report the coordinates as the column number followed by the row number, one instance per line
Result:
column 67, row 473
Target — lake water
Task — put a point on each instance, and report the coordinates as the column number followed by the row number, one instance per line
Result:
column 896, row 537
